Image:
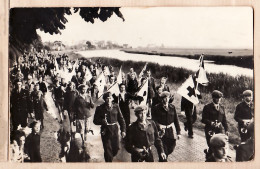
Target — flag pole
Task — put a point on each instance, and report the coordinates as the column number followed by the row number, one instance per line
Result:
column 201, row 60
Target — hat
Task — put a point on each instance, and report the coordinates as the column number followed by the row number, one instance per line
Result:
column 165, row 94
column 247, row 93
column 140, row 108
column 80, row 87
column 219, row 140
column 217, row 94
column 106, row 95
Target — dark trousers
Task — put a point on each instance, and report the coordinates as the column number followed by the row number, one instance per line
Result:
column 147, row 158
column 168, row 147
column 191, row 118
column 110, row 139
column 16, row 122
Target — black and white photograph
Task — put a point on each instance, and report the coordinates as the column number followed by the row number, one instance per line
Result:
column 131, row 84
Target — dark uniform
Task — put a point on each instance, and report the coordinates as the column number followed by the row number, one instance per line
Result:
column 165, row 118
column 246, row 150
column 123, row 102
column 191, row 115
column 39, row 106
column 19, row 107
column 59, row 97
column 132, row 86
column 32, row 147
column 69, row 99
column 243, row 111
column 109, row 133
column 211, row 114
column 142, row 137
column 43, row 87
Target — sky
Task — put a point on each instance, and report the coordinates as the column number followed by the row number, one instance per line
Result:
column 179, row 27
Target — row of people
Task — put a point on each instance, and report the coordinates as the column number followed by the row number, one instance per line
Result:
column 75, row 97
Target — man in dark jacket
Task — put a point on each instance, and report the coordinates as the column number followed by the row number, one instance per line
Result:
column 142, row 135
column 123, row 101
column 32, row 143
column 165, row 117
column 244, row 114
column 108, row 115
column 82, row 105
column 214, row 117
column 69, row 99
column 191, row 115
column 19, row 105
column 43, row 86
column 39, row 106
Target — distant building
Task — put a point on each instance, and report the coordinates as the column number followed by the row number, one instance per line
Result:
column 58, row 46
column 125, row 46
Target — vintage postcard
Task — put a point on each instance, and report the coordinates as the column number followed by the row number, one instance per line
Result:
column 131, row 84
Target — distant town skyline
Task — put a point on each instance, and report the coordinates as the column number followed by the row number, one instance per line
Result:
column 176, row 27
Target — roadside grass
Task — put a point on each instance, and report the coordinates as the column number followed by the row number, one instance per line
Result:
column 232, row 88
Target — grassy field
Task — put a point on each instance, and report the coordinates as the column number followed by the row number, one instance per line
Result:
column 238, row 57
column 232, row 87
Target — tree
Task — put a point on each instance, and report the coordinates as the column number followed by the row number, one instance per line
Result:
column 25, row 21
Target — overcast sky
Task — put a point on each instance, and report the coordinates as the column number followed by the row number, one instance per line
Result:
column 189, row 27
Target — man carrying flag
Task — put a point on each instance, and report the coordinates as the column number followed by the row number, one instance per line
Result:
column 189, row 99
column 100, row 83
column 143, row 92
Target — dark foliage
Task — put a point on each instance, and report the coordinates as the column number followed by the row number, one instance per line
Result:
column 25, row 21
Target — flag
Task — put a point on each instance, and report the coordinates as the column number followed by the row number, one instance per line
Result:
column 114, row 89
column 88, row 74
column 201, row 74
column 142, row 72
column 143, row 92
column 119, row 79
column 188, row 91
column 106, row 71
column 56, row 66
column 100, row 82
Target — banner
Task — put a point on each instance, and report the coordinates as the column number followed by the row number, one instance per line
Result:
column 187, row 90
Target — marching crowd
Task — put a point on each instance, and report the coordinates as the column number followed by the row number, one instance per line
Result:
column 77, row 85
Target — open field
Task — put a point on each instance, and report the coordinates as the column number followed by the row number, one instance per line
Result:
column 238, row 57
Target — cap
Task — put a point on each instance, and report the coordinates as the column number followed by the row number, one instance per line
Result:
column 165, row 94
column 247, row 93
column 217, row 94
column 106, row 95
column 219, row 140
column 80, row 87
column 140, row 108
